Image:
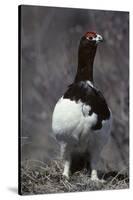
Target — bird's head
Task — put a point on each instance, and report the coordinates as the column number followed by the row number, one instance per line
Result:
column 90, row 39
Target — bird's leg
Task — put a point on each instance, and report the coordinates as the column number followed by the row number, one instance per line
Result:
column 66, row 171
column 65, row 155
column 94, row 176
column 94, row 165
column 62, row 150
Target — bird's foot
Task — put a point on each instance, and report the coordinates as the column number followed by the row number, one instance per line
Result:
column 97, row 180
column 94, row 177
column 65, row 176
column 66, row 171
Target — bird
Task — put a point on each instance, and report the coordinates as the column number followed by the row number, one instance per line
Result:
column 82, row 120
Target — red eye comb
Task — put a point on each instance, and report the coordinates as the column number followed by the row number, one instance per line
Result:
column 90, row 34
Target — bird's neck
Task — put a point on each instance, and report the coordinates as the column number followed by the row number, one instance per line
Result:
column 85, row 63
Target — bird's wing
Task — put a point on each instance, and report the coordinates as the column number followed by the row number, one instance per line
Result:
column 91, row 97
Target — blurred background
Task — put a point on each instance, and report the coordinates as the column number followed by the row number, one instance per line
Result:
column 49, row 46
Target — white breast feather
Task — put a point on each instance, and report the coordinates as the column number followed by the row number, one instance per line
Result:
column 72, row 118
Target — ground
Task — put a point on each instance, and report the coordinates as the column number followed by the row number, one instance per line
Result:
column 38, row 178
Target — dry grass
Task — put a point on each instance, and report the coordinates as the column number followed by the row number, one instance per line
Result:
column 38, row 178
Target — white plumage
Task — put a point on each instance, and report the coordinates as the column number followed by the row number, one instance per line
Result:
column 68, row 118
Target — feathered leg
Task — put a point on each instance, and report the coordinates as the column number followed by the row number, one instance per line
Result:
column 65, row 154
column 94, row 176
column 66, row 171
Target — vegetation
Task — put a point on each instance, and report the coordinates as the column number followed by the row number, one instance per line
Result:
column 38, row 178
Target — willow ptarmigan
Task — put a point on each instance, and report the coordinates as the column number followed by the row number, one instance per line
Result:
column 82, row 119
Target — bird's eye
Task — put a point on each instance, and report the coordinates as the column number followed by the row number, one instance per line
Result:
column 90, row 38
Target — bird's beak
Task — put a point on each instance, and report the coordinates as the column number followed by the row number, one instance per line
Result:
column 99, row 38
